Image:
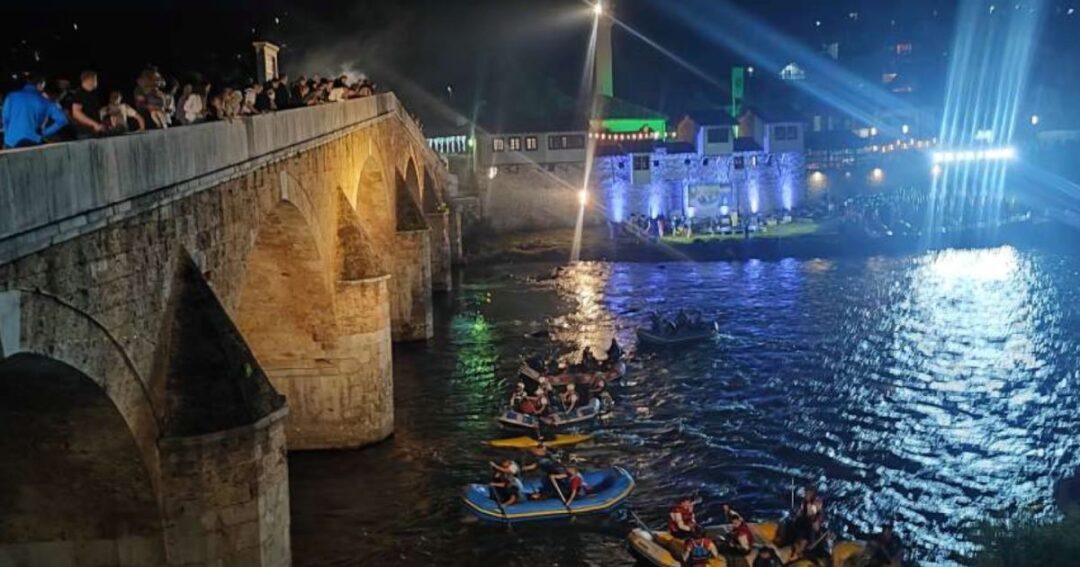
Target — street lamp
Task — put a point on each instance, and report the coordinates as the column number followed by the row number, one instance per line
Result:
column 598, row 8
column 583, row 197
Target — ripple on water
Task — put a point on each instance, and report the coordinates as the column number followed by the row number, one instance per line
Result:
column 936, row 391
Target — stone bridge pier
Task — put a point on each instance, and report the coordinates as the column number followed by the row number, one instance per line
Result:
column 180, row 308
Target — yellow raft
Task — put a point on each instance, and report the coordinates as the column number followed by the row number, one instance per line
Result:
column 659, row 548
column 529, row 442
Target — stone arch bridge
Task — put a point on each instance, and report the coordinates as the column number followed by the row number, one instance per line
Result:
column 178, row 308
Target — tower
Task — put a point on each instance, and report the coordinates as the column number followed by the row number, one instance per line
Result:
column 604, row 83
column 266, row 60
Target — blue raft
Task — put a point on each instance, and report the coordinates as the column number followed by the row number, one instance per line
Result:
column 581, row 414
column 607, row 489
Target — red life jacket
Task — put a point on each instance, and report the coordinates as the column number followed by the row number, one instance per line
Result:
column 577, row 481
column 687, row 517
column 741, row 532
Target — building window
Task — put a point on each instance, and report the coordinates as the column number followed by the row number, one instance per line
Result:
column 641, row 162
column 566, row 142
column 530, row 143
column 498, row 145
column 793, row 133
column 779, row 133
column 515, row 143
column 718, row 135
column 903, row 49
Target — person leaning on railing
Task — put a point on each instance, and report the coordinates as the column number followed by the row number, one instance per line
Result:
column 28, row 117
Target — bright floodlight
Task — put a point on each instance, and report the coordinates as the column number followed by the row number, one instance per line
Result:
column 583, row 197
column 905, row 129
column 1034, row 119
column 598, row 8
column 992, row 154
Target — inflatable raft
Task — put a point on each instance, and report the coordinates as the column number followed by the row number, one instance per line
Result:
column 607, row 489
column 561, row 440
column 582, row 378
column 659, row 548
column 647, row 337
column 582, row 414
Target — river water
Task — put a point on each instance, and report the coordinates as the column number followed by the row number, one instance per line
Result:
column 937, row 391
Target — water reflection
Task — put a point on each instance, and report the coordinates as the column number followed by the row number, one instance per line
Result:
column 936, row 391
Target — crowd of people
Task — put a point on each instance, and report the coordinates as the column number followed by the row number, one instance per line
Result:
column 682, row 323
column 662, row 226
column 546, row 399
column 801, row 535
column 40, row 113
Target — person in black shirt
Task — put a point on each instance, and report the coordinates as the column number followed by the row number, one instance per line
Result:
column 86, row 107
column 282, row 94
column 264, row 101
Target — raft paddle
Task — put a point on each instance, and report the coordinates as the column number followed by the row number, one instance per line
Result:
column 562, row 498
column 641, row 523
column 498, row 503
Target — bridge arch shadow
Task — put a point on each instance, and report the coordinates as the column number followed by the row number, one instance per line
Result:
column 73, row 484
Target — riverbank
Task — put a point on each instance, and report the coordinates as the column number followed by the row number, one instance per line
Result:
column 797, row 240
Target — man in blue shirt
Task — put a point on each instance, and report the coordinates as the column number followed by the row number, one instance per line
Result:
column 29, row 117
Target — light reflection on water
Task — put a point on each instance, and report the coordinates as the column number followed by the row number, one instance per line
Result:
column 937, row 391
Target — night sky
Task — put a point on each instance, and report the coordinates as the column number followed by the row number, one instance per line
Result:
column 505, row 60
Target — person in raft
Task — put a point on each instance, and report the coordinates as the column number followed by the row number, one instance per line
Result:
column 681, row 520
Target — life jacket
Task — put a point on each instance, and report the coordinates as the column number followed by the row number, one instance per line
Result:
column 743, row 531
column 583, row 488
column 687, row 517
column 699, row 552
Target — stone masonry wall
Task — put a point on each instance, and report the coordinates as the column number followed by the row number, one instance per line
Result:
column 411, row 305
column 117, row 276
column 530, row 197
column 226, row 497
column 440, row 250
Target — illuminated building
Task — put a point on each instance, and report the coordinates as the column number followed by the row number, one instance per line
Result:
column 644, row 162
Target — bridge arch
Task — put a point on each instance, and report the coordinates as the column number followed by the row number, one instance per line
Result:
column 430, row 200
column 285, row 309
column 407, row 193
column 36, row 323
column 372, row 198
column 80, row 463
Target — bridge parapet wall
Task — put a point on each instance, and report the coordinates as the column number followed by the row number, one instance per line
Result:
column 52, row 193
